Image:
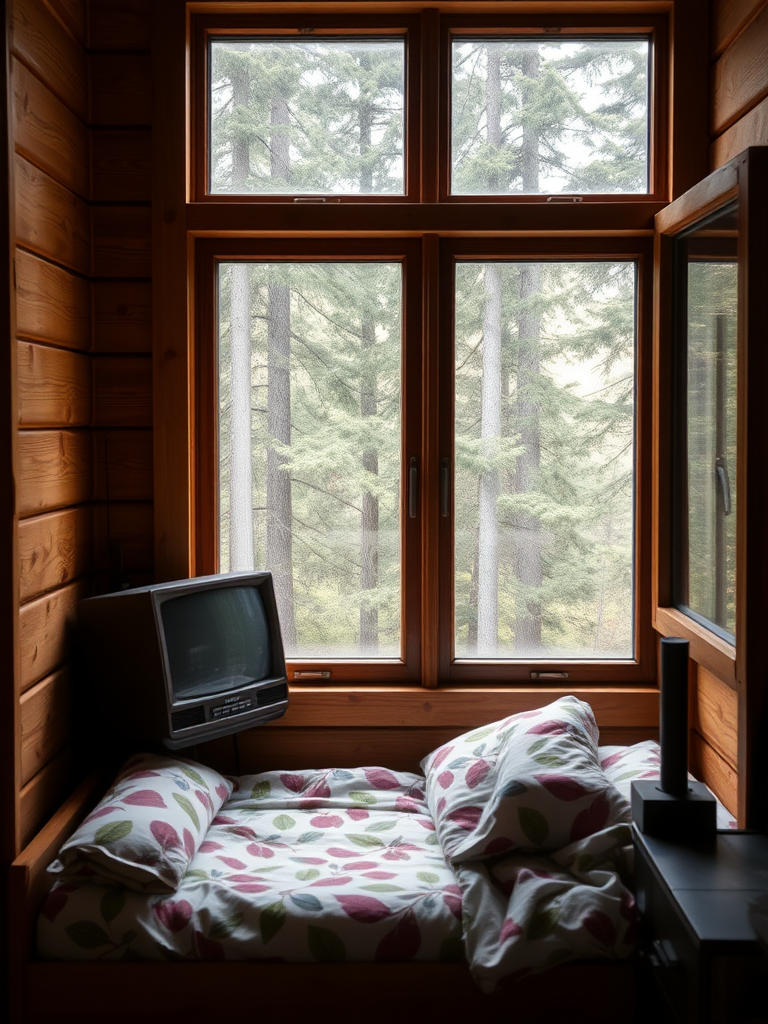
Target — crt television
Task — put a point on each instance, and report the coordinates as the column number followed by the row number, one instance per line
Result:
column 184, row 662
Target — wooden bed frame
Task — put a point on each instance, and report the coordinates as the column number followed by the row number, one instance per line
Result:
column 85, row 992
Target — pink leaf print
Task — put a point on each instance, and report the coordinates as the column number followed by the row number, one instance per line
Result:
column 140, row 775
column 334, row 880
column 358, row 814
column 452, row 899
column 613, row 759
column 466, row 817
column 295, row 783
column 144, row 798
column 441, row 805
column 359, row 865
column 319, row 789
column 592, row 819
column 336, row 851
column 221, row 819
column 173, row 914
column 326, row 821
column 426, row 823
column 233, row 862
column 509, row 930
column 405, row 803
column 445, row 779
column 204, row 799
column 250, row 887
column 207, row 846
column 166, row 835
column 548, row 728
column 56, row 901
column 403, row 942
column 207, row 949
column 477, row 772
column 382, row 876
column 601, row 927
column 439, row 757
column 100, row 812
column 222, row 791
column 257, row 850
column 189, row 843
column 381, row 778
column 365, row 909
column 498, row 845
column 244, row 831
column 562, row 787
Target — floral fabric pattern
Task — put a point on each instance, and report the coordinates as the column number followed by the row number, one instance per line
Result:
column 147, row 828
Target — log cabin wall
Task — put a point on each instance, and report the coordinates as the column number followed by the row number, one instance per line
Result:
column 79, row 87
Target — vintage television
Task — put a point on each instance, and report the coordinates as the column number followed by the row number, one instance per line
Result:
column 175, row 664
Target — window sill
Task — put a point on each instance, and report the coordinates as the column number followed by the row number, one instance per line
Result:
column 706, row 649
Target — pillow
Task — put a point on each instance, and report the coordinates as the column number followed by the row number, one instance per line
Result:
column 148, row 826
column 534, row 784
column 622, row 764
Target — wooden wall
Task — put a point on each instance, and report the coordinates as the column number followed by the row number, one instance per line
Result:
column 80, row 85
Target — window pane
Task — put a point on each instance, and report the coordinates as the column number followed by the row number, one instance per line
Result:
column 706, row 489
column 544, row 453
column 295, row 116
column 309, row 447
column 544, row 117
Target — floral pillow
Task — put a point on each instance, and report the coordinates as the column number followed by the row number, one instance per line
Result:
column 148, row 826
column 535, row 784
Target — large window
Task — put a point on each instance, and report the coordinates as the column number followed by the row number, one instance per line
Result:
column 422, row 322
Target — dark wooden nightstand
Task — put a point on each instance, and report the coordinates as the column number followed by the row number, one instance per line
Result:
column 700, row 959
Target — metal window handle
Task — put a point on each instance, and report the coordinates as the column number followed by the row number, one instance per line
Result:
column 413, row 488
column 445, row 480
column 725, row 484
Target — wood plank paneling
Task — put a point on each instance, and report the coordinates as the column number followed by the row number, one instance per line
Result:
column 123, row 465
column 740, row 77
column 122, row 241
column 54, row 386
column 122, row 316
column 750, row 130
column 54, row 470
column 45, row 628
column 120, row 25
column 122, row 391
column 715, row 714
column 125, row 533
column 121, row 89
column 48, row 133
column 40, row 40
column 46, row 721
column 54, row 549
column 122, row 165
column 50, row 219
column 729, row 17
column 707, row 765
column 72, row 14
column 51, row 303
column 44, row 792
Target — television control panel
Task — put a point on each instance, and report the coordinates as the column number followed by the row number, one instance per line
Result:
column 235, row 708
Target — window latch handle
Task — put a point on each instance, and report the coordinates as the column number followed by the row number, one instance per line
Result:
column 445, row 479
column 413, row 488
column 725, row 484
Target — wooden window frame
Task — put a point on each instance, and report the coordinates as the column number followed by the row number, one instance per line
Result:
column 183, row 218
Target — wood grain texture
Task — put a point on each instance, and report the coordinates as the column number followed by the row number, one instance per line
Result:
column 749, row 130
column 122, row 316
column 46, row 721
column 54, row 386
column 740, row 76
column 729, row 18
column 122, row 241
column 119, row 25
column 52, row 304
column 42, row 795
column 41, row 41
column 54, row 550
column 55, row 470
column 124, row 537
column 122, row 391
column 709, row 767
column 51, row 220
column 715, row 714
column 123, row 465
column 45, row 628
column 122, row 165
column 48, row 133
column 72, row 14
column 121, row 89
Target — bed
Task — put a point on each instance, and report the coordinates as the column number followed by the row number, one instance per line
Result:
column 507, row 859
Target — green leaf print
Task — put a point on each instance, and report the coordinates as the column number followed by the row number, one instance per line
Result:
column 195, row 776
column 112, row 902
column 223, row 929
column 87, row 935
column 364, row 840
column 427, row 876
column 112, row 833
column 307, row 874
column 260, row 790
column 363, row 798
column 271, row 920
column 534, row 825
column 283, row 822
column 542, row 924
column 187, row 806
column 381, row 826
column 325, row 946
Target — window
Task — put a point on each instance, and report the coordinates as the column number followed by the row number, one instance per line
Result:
column 422, row 315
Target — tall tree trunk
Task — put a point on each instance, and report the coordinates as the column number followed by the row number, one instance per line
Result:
column 490, row 407
column 528, row 561
column 240, row 476
column 279, row 533
column 369, row 518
